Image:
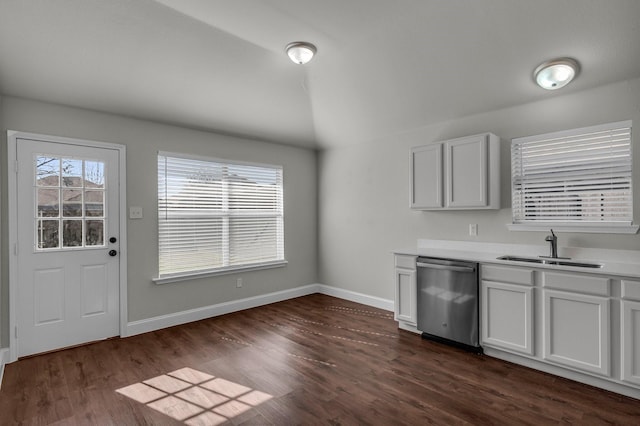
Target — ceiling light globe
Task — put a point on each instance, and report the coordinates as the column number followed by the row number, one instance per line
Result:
column 300, row 52
column 555, row 74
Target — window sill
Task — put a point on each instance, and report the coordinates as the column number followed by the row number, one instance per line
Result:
column 220, row 271
column 564, row 227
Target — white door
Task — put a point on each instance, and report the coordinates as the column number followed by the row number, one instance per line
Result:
column 68, row 244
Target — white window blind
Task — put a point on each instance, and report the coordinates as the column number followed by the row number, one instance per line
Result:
column 216, row 215
column 581, row 176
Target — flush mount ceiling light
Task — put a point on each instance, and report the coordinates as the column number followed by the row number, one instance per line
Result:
column 557, row 73
column 300, row 52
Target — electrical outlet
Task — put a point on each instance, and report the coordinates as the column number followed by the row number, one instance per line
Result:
column 238, row 282
column 473, row 229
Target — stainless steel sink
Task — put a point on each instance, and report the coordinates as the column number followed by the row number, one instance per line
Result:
column 545, row 261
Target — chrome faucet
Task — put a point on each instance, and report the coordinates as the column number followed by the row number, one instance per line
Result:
column 554, row 244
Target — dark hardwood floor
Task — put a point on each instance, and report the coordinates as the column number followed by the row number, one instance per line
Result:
column 311, row 360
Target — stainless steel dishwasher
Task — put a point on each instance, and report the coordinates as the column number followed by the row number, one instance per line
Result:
column 448, row 302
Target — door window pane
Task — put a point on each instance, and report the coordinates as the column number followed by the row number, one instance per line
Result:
column 48, row 234
column 47, row 171
column 94, row 232
column 94, row 174
column 71, row 233
column 71, row 202
column 72, row 173
column 94, row 203
column 48, row 202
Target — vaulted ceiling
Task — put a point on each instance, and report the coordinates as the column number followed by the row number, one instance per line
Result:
column 383, row 66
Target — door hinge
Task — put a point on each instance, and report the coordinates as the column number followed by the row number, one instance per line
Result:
column 16, row 332
column 16, row 166
column 15, row 249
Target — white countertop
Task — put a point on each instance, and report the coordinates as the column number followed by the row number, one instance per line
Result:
column 624, row 263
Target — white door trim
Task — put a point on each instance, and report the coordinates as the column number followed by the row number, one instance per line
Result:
column 12, row 149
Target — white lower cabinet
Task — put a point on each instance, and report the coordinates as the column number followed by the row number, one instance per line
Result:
column 406, row 292
column 630, row 331
column 507, row 316
column 406, row 306
column 577, row 331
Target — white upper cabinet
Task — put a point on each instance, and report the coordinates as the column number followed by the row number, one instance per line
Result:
column 466, row 167
column 457, row 174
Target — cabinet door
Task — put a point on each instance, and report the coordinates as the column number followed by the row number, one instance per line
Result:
column 507, row 316
column 631, row 341
column 426, row 177
column 466, row 168
column 406, row 295
column 576, row 331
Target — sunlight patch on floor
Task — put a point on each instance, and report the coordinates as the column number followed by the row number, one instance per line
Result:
column 194, row 397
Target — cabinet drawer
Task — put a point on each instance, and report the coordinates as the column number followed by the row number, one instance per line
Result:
column 407, row 262
column 507, row 274
column 577, row 283
column 631, row 290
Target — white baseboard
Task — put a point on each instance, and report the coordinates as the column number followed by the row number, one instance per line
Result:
column 170, row 320
column 4, row 359
column 365, row 299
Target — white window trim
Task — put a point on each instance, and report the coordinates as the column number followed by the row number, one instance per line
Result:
column 584, row 227
column 215, row 159
column 565, row 227
column 219, row 271
column 184, row 276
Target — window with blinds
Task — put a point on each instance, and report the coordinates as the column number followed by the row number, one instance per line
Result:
column 581, row 177
column 216, row 215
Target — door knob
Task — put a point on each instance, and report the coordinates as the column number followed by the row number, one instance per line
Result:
column 112, row 253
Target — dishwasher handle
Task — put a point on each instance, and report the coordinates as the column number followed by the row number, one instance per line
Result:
column 446, row 267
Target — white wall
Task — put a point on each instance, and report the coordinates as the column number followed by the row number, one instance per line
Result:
column 143, row 140
column 364, row 188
